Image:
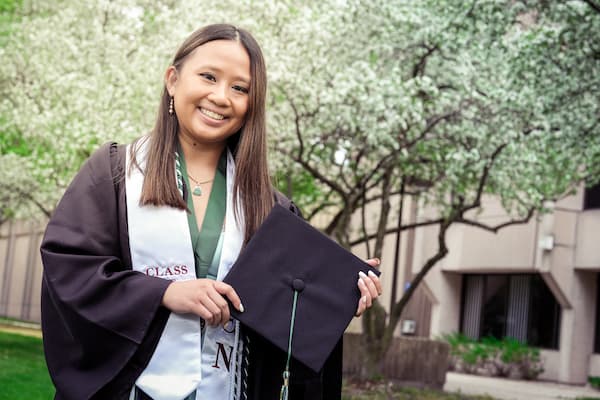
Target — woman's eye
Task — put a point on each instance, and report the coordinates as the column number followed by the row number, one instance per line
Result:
column 240, row 89
column 208, row 76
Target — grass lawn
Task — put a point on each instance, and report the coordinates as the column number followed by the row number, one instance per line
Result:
column 23, row 373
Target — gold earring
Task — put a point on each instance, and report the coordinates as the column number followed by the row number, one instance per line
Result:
column 171, row 106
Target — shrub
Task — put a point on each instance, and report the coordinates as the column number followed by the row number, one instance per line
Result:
column 493, row 357
column 594, row 381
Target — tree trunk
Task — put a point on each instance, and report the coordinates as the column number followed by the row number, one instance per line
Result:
column 378, row 331
column 374, row 327
column 374, row 319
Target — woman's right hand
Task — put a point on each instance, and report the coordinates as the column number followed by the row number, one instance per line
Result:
column 203, row 297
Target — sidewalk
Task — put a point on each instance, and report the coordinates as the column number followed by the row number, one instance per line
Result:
column 22, row 328
column 507, row 389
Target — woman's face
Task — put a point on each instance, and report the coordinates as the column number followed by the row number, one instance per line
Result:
column 210, row 91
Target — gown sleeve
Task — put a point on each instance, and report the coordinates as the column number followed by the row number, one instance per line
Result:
column 96, row 312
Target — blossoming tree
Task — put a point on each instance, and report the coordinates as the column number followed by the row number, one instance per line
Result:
column 440, row 102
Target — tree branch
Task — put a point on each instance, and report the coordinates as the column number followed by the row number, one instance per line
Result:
column 594, row 5
column 350, row 202
column 340, row 172
column 381, row 165
column 419, row 67
column 397, row 309
column 318, row 209
column 432, row 123
column 383, row 215
column 29, row 196
column 484, row 177
column 363, row 212
column 396, row 229
column 496, row 228
column 314, row 172
column 394, row 193
column 297, row 127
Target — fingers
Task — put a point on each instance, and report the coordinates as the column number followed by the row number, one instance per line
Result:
column 362, row 306
column 376, row 282
column 218, row 307
column 228, row 291
column 373, row 262
column 365, row 294
column 369, row 286
column 365, row 300
column 203, row 297
column 204, row 313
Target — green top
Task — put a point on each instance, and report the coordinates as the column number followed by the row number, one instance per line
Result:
column 207, row 242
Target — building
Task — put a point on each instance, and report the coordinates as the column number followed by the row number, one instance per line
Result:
column 538, row 282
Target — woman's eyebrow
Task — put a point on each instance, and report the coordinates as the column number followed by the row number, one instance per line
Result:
column 244, row 79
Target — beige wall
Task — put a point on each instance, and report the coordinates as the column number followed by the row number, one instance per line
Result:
column 476, row 250
column 577, row 329
column 594, row 367
column 20, row 270
column 551, row 360
column 587, row 255
column 445, row 316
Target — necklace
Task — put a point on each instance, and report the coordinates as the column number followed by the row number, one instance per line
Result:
column 197, row 191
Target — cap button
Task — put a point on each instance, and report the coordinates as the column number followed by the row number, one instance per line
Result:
column 298, row 284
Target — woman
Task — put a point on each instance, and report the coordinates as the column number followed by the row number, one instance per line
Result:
column 128, row 269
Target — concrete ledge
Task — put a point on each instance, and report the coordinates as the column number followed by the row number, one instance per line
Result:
column 509, row 389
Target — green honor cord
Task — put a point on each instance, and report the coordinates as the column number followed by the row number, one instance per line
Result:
column 283, row 395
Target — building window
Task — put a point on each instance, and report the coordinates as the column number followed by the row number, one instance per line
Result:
column 519, row 306
column 495, row 300
column 591, row 197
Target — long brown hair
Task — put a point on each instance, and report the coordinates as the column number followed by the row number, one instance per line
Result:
column 252, row 191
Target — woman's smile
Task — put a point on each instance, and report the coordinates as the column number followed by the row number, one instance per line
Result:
column 211, row 114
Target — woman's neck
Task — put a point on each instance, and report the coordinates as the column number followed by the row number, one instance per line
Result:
column 201, row 159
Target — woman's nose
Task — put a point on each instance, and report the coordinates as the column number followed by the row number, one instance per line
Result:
column 218, row 94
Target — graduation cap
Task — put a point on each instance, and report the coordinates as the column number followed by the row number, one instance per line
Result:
column 298, row 287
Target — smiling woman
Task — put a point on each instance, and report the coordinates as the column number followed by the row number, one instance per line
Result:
column 133, row 300
column 209, row 97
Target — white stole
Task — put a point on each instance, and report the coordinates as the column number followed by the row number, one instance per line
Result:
column 160, row 243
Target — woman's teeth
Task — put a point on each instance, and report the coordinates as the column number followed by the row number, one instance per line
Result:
column 211, row 114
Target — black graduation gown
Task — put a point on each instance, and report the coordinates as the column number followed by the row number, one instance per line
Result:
column 101, row 321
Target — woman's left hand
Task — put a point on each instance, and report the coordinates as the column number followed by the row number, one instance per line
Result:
column 369, row 286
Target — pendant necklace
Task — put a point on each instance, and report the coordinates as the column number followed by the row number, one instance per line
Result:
column 197, row 191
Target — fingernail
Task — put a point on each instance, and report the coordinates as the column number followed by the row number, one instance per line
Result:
column 362, row 274
column 372, row 274
column 360, row 282
column 364, row 299
column 241, row 308
column 378, row 261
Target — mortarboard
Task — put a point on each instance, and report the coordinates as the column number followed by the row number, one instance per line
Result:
column 298, row 287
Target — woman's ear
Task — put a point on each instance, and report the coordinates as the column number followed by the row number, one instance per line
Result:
column 171, row 79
